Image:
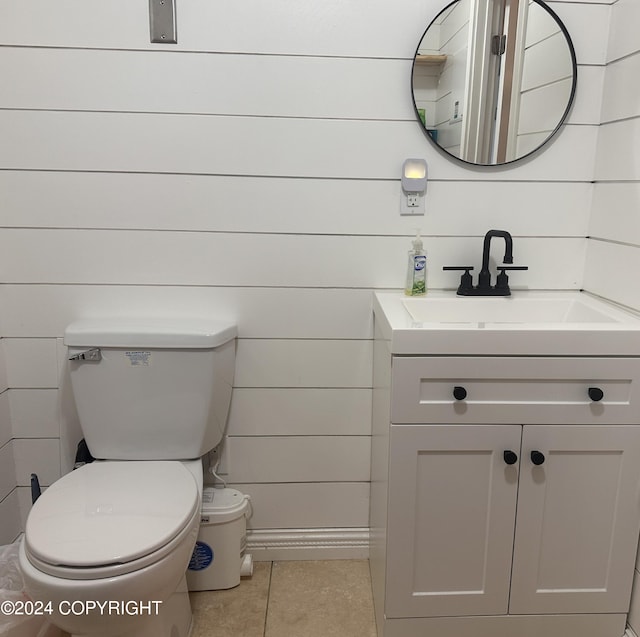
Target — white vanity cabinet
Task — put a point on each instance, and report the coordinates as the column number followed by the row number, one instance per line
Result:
column 511, row 509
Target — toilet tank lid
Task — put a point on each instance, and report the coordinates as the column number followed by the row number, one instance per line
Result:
column 167, row 333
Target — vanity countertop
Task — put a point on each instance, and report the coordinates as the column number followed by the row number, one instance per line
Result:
column 528, row 323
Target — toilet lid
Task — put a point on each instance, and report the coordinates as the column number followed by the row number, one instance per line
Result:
column 111, row 513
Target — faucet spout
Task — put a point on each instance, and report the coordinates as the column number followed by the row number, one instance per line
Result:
column 484, row 276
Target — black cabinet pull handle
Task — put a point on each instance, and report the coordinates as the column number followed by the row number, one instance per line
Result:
column 537, row 457
column 510, row 457
column 459, row 393
column 596, row 394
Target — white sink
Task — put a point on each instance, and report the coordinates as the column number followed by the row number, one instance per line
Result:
column 527, row 323
column 513, row 309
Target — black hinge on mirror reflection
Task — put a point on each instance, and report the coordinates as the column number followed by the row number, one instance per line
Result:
column 498, row 44
column 162, row 21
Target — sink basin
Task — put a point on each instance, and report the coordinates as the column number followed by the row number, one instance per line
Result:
column 527, row 323
column 505, row 310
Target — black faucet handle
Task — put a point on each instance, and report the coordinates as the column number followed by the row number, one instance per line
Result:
column 502, row 281
column 466, row 281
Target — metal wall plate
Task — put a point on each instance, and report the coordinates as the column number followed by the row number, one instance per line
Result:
column 162, row 21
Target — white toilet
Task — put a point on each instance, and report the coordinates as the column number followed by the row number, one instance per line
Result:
column 108, row 544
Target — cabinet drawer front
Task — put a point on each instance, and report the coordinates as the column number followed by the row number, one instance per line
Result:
column 524, row 390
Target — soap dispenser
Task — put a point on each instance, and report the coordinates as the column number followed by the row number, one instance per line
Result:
column 416, row 269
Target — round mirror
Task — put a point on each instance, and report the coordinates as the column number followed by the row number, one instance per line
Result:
column 493, row 80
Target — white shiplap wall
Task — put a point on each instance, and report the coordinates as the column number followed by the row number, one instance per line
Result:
column 250, row 172
column 9, row 508
column 614, row 248
column 547, row 75
column 613, row 252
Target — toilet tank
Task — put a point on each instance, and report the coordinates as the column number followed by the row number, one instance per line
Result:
column 151, row 389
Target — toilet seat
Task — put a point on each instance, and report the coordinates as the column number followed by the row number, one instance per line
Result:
column 109, row 518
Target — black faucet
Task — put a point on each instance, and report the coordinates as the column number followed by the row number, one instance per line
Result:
column 484, row 278
column 484, row 287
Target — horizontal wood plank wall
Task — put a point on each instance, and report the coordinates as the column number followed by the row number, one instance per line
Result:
column 250, row 172
column 613, row 253
column 10, row 522
column 614, row 246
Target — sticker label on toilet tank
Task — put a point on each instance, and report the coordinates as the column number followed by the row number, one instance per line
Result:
column 139, row 359
column 201, row 558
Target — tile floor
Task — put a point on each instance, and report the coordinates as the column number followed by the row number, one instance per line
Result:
column 291, row 599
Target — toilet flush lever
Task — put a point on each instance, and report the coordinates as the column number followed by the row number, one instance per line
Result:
column 93, row 354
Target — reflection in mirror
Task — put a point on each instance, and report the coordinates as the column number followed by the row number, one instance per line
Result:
column 493, row 80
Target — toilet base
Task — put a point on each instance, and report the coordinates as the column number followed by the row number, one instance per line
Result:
column 174, row 619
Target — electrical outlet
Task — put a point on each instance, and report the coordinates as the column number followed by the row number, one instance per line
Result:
column 456, row 114
column 411, row 204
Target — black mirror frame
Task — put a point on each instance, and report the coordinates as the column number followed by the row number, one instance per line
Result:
column 562, row 120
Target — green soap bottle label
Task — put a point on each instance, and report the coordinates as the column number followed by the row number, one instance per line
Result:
column 416, row 285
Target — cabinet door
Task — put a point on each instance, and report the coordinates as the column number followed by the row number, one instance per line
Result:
column 451, row 513
column 578, row 519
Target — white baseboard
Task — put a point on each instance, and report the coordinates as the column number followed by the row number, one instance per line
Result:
column 308, row 544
